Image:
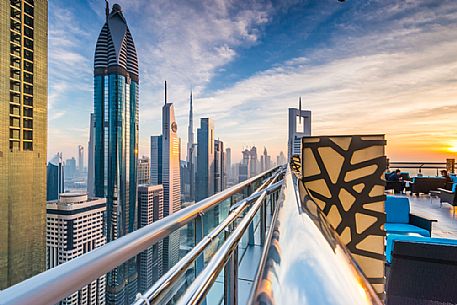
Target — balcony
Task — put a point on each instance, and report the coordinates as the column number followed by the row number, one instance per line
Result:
column 311, row 231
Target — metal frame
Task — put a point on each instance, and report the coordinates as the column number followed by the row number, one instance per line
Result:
column 165, row 283
column 56, row 284
column 196, row 292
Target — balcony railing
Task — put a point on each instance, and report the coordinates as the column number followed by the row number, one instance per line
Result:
column 293, row 254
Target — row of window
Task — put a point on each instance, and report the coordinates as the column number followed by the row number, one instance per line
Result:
column 28, row 6
column 21, row 83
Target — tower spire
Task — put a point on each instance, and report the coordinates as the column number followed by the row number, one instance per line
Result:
column 299, row 107
column 190, row 131
column 165, row 92
column 106, row 9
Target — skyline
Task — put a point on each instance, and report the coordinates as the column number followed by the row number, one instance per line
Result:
column 309, row 49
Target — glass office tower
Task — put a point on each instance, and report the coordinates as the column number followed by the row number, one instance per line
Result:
column 23, row 138
column 116, row 142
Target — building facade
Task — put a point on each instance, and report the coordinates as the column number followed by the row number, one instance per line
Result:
column 299, row 127
column 150, row 209
column 74, row 226
column 23, row 138
column 116, row 94
column 143, row 170
column 205, row 160
column 171, row 180
column 219, row 166
column 156, row 160
column 90, row 158
column 55, row 179
column 80, row 159
column 244, row 169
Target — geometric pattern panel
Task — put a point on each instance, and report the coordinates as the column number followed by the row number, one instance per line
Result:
column 344, row 175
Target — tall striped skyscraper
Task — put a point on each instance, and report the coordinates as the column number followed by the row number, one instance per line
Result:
column 171, row 180
column 116, row 82
column 23, row 138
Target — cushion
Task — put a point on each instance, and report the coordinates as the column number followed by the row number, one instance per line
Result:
column 403, row 229
column 392, row 238
column 397, row 209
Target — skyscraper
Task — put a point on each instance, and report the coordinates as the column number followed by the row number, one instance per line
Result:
column 23, row 138
column 80, row 159
column 143, row 170
column 190, row 158
column 171, row 180
column 219, row 166
column 90, row 158
column 204, row 186
column 75, row 227
column 228, row 163
column 116, row 85
column 299, row 127
column 244, row 171
column 281, row 159
column 55, row 178
column 70, row 167
column 150, row 209
column 253, row 162
column 156, row 160
column 265, row 161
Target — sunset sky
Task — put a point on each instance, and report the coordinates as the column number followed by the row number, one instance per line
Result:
column 361, row 67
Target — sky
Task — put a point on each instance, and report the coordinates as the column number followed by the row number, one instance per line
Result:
column 362, row 67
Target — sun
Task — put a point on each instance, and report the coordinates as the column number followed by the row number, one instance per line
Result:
column 452, row 147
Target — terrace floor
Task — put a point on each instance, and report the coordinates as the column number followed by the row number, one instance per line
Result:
column 446, row 216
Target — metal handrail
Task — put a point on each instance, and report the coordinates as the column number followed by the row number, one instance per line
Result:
column 55, row 284
column 306, row 262
column 200, row 287
column 165, row 283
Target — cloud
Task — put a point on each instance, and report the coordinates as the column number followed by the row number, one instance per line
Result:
column 398, row 81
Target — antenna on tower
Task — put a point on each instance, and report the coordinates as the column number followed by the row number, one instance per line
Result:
column 106, row 9
column 165, row 92
column 299, row 107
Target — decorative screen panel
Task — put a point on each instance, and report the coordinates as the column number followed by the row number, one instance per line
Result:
column 344, row 176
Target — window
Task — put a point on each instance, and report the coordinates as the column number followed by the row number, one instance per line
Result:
column 28, row 89
column 28, row 43
column 15, row 85
column 14, row 134
column 28, row 66
column 15, row 26
column 28, row 135
column 15, row 62
column 28, row 21
column 15, row 50
column 15, row 13
column 28, row 55
column 15, row 38
column 28, row 146
column 28, row 33
column 15, row 98
column 15, row 110
column 14, row 122
column 28, row 100
column 16, row 74
column 28, row 77
column 28, row 9
column 14, row 145
column 16, row 3
column 28, row 112
column 28, row 123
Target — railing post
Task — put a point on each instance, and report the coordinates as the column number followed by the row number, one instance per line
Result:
column 231, row 277
column 200, row 261
column 263, row 221
column 251, row 231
